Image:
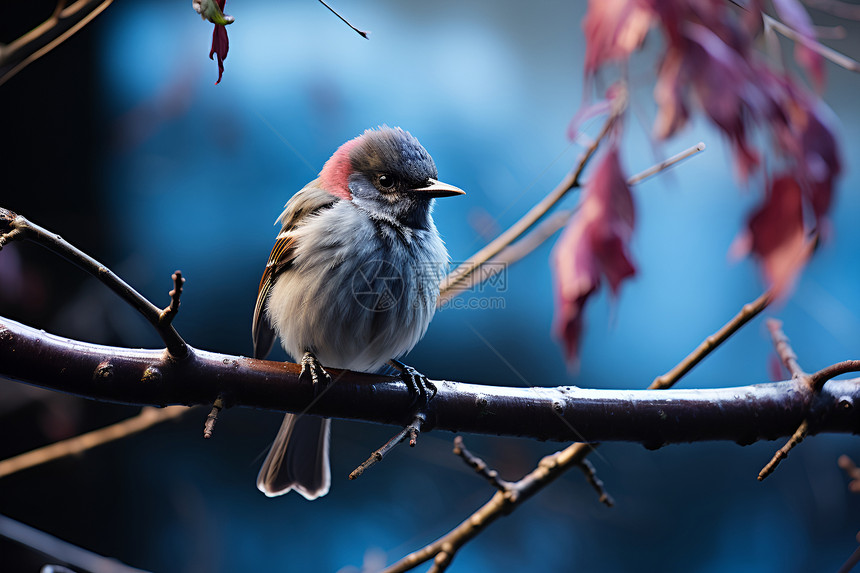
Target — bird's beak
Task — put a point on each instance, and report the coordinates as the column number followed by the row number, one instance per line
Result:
column 438, row 189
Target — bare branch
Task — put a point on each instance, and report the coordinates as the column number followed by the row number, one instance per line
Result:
column 782, row 452
column 412, row 430
column 147, row 418
column 573, row 455
column 209, row 425
column 818, row 379
column 480, row 466
column 783, row 349
column 460, row 279
column 852, row 561
column 666, row 164
column 591, row 476
column 747, row 313
column 502, row 503
column 361, row 33
column 169, row 313
column 63, row 23
column 836, row 57
column 16, row 227
column 653, row 418
column 515, row 231
column 808, row 383
column 60, row 550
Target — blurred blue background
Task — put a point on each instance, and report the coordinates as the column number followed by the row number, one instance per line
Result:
column 126, row 148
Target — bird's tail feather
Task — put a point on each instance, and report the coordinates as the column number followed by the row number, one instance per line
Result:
column 298, row 459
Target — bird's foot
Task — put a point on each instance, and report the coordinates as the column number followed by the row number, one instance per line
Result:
column 312, row 366
column 418, row 384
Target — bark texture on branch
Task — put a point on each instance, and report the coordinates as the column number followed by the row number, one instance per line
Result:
column 566, row 413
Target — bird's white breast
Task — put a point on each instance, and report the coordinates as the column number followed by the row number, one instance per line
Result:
column 358, row 292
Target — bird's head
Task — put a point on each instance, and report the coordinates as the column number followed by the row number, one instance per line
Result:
column 387, row 173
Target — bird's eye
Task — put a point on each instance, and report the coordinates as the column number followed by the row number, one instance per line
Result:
column 385, row 181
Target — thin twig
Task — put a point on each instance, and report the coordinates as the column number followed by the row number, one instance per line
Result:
column 552, row 466
column 442, row 550
column 853, row 474
column 783, row 348
column 63, row 23
column 747, row 313
column 511, row 254
column 852, row 561
column 782, row 452
column 412, row 430
column 789, row 360
column 818, row 379
column 455, row 283
column 148, row 417
column 591, row 476
column 571, row 181
column 361, row 33
column 16, row 227
column 480, row 466
column 169, row 313
column 78, row 557
column 209, row 425
column 836, row 57
column 666, row 163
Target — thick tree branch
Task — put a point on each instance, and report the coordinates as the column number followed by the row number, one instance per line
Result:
column 653, row 418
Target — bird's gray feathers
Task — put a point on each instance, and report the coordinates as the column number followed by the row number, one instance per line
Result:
column 361, row 302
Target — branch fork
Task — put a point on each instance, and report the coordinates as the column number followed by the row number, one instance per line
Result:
column 813, row 383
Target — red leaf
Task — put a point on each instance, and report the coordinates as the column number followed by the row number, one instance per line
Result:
column 804, row 134
column 777, row 236
column 727, row 89
column 593, row 247
column 613, row 30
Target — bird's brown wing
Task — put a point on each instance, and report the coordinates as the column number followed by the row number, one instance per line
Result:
column 309, row 201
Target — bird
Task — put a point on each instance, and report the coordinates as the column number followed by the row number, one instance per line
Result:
column 351, row 283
